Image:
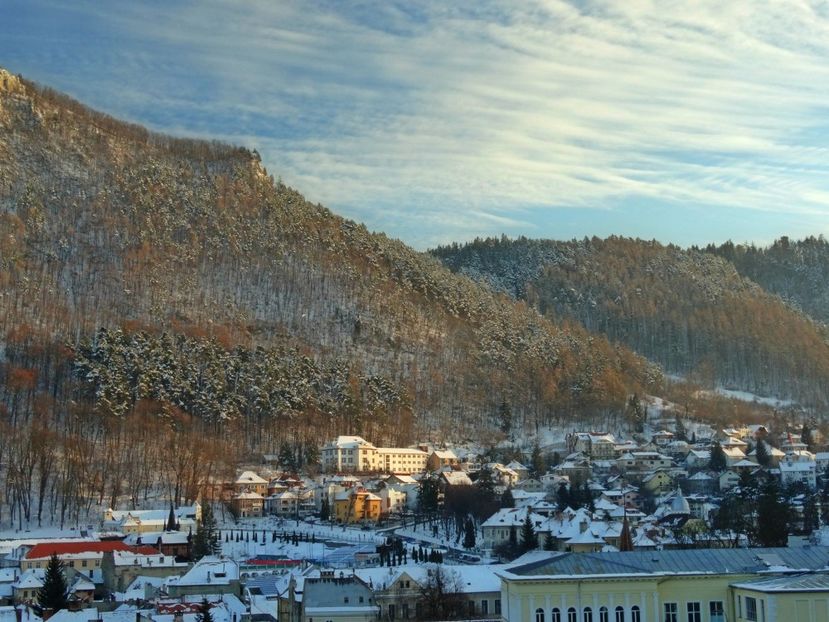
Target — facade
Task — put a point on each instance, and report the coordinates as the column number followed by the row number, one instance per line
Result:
column 702, row 585
column 355, row 454
column 82, row 556
column 251, row 482
column 143, row 521
column 357, row 505
column 248, row 504
column 337, row 599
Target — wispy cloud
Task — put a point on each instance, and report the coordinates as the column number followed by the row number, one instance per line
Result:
column 439, row 122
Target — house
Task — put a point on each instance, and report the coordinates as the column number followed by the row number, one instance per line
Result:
column 733, row 455
column 345, row 598
column 520, row 470
column 701, row 483
column 210, row 575
column 248, row 504
column 662, row 438
column 596, row 445
column 496, row 529
column 698, row 459
column 119, row 569
column 356, row 505
column 84, row 556
column 657, row 482
column 713, row 585
column 251, row 482
column 728, row 480
column 170, row 543
column 440, row 458
column 775, row 455
column 142, row 521
column 793, row 471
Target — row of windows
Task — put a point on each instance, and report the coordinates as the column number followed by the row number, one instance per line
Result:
column 391, row 610
column 587, row 615
column 751, row 609
column 694, row 611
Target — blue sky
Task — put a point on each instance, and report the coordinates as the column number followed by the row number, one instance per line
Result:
column 687, row 122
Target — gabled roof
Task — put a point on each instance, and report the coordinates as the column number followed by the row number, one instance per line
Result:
column 249, row 477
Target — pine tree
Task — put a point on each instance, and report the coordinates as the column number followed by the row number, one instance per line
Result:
column 172, row 525
column 53, row 594
column 206, row 541
column 718, row 460
column 772, row 516
column 505, row 417
column 204, row 614
column 549, row 542
column 763, row 457
column 325, row 509
column 529, row 540
column 469, row 534
column 507, row 500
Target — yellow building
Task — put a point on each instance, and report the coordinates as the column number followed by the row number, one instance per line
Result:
column 356, row 505
column 700, row 585
column 798, row 598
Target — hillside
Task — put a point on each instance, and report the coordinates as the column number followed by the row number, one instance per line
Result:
column 795, row 270
column 688, row 310
column 168, row 294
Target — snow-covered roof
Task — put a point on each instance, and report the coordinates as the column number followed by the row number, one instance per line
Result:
column 249, row 477
column 210, row 570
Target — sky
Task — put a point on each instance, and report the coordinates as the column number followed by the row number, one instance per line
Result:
column 436, row 121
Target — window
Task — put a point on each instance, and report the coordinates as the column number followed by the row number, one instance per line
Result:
column 571, row 614
column 739, row 606
column 392, row 612
column 472, row 608
column 694, row 612
column 763, row 611
column 484, row 607
column 404, row 610
column 497, row 606
column 345, row 600
column 670, row 612
column 635, row 614
column 751, row 608
column 539, row 615
column 556, row 615
column 716, row 611
column 620, row 614
column 587, row 615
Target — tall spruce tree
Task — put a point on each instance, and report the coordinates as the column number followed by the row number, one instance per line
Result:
column 172, row 524
column 53, row 594
column 206, row 540
column 469, row 534
column 718, row 460
column 529, row 540
column 772, row 516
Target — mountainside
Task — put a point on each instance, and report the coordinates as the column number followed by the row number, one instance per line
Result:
column 690, row 311
column 797, row 271
column 153, row 287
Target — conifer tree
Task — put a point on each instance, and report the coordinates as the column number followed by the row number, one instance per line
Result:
column 507, row 500
column 549, row 542
column 204, row 614
column 206, row 541
column 172, row 525
column 529, row 540
column 763, row 457
column 53, row 594
column 718, row 460
column 469, row 534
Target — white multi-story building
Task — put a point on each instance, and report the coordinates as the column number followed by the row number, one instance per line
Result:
column 353, row 453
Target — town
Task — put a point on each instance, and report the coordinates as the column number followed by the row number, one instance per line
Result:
column 588, row 527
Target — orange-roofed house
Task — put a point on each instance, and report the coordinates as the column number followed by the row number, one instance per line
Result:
column 78, row 555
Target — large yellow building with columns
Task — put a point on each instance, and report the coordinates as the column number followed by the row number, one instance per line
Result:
column 699, row 585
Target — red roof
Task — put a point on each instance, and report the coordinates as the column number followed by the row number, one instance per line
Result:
column 47, row 549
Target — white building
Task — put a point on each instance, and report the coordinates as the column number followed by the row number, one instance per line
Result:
column 355, row 454
column 794, row 471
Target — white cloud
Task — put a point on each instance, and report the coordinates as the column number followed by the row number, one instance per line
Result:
column 457, row 122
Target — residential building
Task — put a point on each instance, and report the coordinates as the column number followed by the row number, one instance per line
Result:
column 210, row 575
column 441, row 458
column 357, row 505
column 338, row 599
column 248, row 504
column 142, row 521
column 251, row 482
column 83, row 556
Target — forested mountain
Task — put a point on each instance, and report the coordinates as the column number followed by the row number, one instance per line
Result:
column 168, row 296
column 688, row 310
column 797, row 271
